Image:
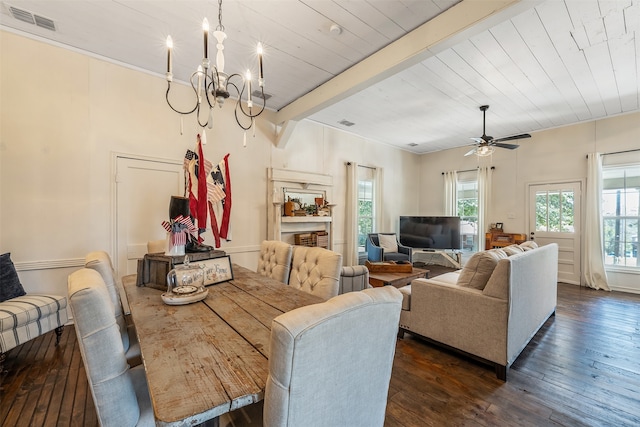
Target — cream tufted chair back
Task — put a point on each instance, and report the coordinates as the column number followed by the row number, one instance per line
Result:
column 316, row 271
column 330, row 363
column 275, row 260
column 100, row 261
column 120, row 394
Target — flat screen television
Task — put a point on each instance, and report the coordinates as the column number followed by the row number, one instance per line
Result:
column 430, row 232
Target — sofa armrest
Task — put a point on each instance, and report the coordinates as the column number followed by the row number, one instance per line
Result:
column 460, row 317
column 374, row 253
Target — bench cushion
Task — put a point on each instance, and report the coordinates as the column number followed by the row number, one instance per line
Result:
column 29, row 316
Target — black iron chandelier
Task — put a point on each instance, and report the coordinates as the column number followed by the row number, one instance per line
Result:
column 212, row 84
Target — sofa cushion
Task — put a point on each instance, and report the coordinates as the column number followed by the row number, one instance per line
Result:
column 388, row 242
column 447, row 279
column 10, row 286
column 528, row 245
column 512, row 250
column 479, row 268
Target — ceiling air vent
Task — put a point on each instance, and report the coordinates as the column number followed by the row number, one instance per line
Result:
column 412, row 144
column 258, row 94
column 45, row 23
column 22, row 15
column 345, row 122
column 30, row 18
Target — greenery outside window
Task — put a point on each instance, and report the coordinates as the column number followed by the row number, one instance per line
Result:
column 554, row 211
column 621, row 215
column 467, row 200
column 366, row 205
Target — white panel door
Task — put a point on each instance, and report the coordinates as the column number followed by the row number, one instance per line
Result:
column 143, row 192
column 555, row 218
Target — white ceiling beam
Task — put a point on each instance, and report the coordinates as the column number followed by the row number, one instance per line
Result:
column 460, row 22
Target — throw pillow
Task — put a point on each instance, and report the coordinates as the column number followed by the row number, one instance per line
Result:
column 477, row 271
column 10, row 286
column 388, row 242
column 528, row 245
column 512, row 250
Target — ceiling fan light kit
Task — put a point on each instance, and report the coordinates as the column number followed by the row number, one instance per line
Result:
column 485, row 145
column 212, row 84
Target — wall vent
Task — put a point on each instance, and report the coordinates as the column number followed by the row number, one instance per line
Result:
column 30, row 18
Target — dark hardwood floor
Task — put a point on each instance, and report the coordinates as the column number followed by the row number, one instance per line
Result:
column 581, row 369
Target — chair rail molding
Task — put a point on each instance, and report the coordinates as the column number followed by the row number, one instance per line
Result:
column 49, row 264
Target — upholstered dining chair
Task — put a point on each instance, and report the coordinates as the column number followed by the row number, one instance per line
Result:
column 330, row 363
column 386, row 247
column 101, row 262
column 275, row 260
column 120, row 393
column 353, row 278
column 316, row 271
column 156, row 246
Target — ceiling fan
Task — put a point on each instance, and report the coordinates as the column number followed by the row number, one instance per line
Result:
column 485, row 144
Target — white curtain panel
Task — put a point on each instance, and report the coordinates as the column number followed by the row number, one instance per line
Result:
column 450, row 193
column 378, row 198
column 351, row 222
column 595, row 276
column 484, row 201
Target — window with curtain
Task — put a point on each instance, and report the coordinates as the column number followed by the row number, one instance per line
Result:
column 366, row 204
column 621, row 215
column 467, row 201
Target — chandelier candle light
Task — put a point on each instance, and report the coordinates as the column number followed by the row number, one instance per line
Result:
column 215, row 82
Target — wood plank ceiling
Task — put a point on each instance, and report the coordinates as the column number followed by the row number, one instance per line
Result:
column 539, row 64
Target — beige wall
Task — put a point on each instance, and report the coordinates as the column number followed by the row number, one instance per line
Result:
column 63, row 115
column 554, row 155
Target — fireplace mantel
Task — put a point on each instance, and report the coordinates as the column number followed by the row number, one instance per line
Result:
column 283, row 228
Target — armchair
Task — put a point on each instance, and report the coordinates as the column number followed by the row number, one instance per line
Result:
column 386, row 251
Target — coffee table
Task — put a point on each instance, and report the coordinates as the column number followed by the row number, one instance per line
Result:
column 397, row 279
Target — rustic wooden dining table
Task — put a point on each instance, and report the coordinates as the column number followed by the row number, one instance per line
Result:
column 211, row 357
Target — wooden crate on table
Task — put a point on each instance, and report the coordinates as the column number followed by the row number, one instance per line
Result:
column 153, row 268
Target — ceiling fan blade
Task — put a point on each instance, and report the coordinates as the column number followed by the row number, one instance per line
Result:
column 511, row 138
column 477, row 140
column 509, row 146
column 471, row 152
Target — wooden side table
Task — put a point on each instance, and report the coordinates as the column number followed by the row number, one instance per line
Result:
column 397, row 279
column 499, row 239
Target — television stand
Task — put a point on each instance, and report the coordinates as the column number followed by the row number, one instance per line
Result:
column 446, row 257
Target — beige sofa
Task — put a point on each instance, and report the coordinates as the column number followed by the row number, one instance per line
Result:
column 491, row 308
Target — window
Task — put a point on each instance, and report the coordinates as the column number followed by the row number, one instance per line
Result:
column 366, row 204
column 554, row 211
column 467, row 200
column 621, row 215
